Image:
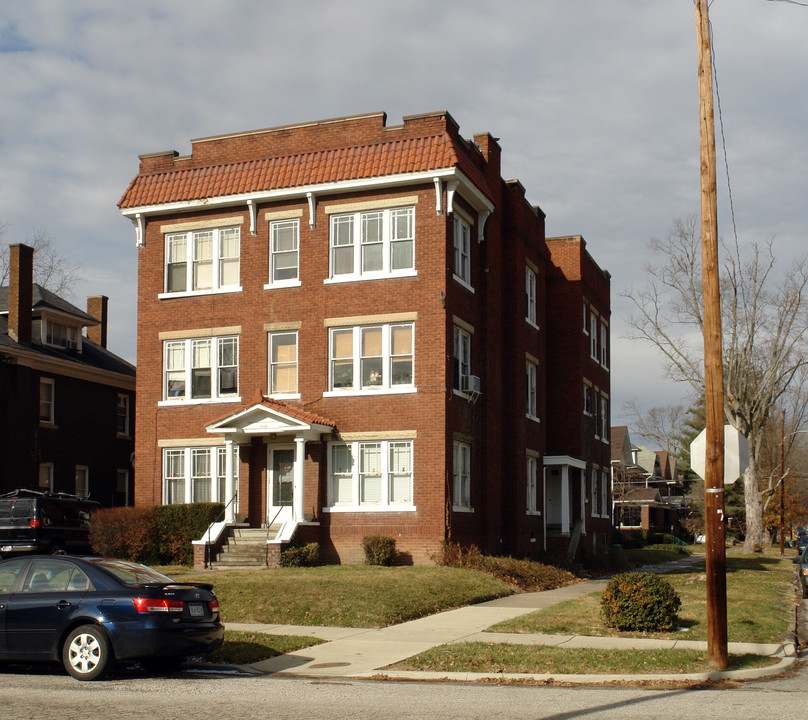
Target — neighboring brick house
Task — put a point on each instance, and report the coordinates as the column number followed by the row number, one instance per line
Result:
column 343, row 325
column 648, row 494
column 66, row 402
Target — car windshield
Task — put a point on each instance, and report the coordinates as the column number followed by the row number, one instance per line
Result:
column 130, row 572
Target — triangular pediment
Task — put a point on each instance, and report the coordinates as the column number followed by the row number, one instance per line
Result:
column 260, row 420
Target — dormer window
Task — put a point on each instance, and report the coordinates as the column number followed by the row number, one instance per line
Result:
column 59, row 335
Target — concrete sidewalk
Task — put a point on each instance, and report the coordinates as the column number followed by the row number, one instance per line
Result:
column 364, row 653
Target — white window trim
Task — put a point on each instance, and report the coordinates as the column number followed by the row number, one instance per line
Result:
column 127, row 428
column 86, row 489
column 187, row 452
column 593, row 336
column 73, row 335
column 189, row 263
column 291, row 282
column 387, row 243
column 461, row 245
column 386, row 388
column 605, row 508
column 604, row 418
column 385, row 505
column 463, row 332
column 52, row 416
column 458, row 449
column 530, row 297
column 588, row 387
column 214, row 368
column 280, row 395
column 531, row 486
column 604, row 347
column 531, row 380
column 594, row 479
column 49, row 467
column 586, row 317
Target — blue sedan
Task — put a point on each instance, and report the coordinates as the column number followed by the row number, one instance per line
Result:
column 90, row 612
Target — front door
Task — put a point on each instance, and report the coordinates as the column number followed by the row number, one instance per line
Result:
column 281, row 483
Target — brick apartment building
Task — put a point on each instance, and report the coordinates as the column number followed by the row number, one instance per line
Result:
column 358, row 329
column 66, row 402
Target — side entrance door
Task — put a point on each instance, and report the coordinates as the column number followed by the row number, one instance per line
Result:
column 281, row 482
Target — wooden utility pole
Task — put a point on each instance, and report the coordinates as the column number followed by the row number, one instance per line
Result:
column 713, row 369
column 783, row 485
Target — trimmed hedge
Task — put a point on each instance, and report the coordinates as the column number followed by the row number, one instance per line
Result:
column 640, row 601
column 379, row 549
column 160, row 534
column 306, row 556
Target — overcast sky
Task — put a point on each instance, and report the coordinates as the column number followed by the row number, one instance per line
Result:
column 595, row 103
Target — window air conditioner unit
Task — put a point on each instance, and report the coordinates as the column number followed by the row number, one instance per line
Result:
column 471, row 384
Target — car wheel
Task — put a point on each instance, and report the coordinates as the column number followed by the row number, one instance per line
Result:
column 86, row 654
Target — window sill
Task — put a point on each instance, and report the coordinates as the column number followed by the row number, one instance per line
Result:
column 460, row 281
column 458, row 509
column 123, row 436
column 282, row 284
column 206, row 401
column 285, row 396
column 536, row 513
column 532, row 324
column 369, row 276
column 198, row 293
column 48, row 425
column 369, row 508
column 370, row 392
column 533, row 418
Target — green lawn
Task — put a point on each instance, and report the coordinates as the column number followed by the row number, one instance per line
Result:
column 346, row 595
column 759, row 606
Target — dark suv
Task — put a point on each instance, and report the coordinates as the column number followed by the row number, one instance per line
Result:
column 42, row 522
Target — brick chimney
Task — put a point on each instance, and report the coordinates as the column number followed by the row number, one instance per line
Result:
column 20, row 292
column 97, row 307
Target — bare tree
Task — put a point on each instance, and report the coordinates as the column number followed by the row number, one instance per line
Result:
column 53, row 269
column 659, row 426
column 764, row 335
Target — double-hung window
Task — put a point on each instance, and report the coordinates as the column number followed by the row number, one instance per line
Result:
column 46, row 396
column 188, row 474
column 123, row 415
column 370, row 475
column 202, row 260
column 604, row 419
column 372, row 357
column 604, row 345
column 587, row 399
column 593, row 493
column 283, row 363
column 372, row 244
column 63, row 336
column 461, row 472
column 462, row 357
column 462, row 250
column 284, row 238
column 201, row 369
column 532, row 471
column 531, row 406
column 530, row 295
column 593, row 336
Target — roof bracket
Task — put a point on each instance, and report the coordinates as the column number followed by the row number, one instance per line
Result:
column 312, row 198
column 140, row 230
column 252, row 210
column 438, row 196
column 482, row 217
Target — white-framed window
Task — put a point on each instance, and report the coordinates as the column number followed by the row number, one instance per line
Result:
column 593, row 335
column 530, row 295
column 81, row 481
column 462, row 250
column 123, row 415
column 283, row 363
column 373, row 244
column 587, row 399
column 531, row 485
column 604, row 345
column 586, row 318
column 284, row 254
column 462, row 357
column 200, row 369
column 531, row 405
column 121, row 487
column 202, row 260
column 188, row 474
column 60, row 335
column 595, row 414
column 594, row 492
column 604, row 494
column 370, row 475
column 371, row 358
column 604, row 418
column 461, row 476
column 46, row 401
column 46, row 476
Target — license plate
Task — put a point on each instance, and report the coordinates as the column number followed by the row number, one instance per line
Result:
column 196, row 609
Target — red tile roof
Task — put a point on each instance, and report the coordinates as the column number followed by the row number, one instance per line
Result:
column 296, row 412
column 407, row 155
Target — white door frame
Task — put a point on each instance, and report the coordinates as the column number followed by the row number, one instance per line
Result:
column 284, row 513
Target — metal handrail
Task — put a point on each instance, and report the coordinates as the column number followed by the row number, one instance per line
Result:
column 218, row 519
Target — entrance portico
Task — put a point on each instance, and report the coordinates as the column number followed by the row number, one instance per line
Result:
column 285, row 429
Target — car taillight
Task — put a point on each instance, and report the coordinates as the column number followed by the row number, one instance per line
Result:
column 157, row 605
column 214, row 606
column 805, row 571
column 34, row 523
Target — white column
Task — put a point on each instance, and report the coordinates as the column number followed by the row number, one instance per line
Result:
column 583, row 502
column 229, row 489
column 565, row 499
column 297, row 486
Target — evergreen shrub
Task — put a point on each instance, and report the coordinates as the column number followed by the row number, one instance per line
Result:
column 640, row 601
